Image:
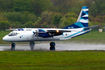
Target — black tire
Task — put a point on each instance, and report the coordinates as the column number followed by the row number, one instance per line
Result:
column 13, row 46
column 52, row 46
column 32, row 45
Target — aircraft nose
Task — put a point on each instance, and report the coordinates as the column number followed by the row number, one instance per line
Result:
column 5, row 38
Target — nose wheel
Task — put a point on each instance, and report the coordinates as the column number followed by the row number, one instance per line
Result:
column 12, row 46
column 32, row 45
column 52, row 46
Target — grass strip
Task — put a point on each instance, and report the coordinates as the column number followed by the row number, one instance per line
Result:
column 51, row 60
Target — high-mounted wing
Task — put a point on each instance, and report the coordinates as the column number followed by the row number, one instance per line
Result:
column 50, row 33
column 56, row 32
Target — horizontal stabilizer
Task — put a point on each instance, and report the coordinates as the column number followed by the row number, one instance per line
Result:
column 92, row 26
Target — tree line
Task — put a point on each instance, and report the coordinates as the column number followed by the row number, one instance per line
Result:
column 48, row 13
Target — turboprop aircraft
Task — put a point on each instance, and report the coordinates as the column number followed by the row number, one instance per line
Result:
column 50, row 34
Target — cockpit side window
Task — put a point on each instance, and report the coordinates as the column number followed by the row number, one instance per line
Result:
column 12, row 34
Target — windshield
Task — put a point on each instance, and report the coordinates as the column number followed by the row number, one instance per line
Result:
column 12, row 34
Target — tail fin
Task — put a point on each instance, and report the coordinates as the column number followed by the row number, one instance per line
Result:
column 82, row 21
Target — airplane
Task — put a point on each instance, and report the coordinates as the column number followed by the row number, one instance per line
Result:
column 51, row 34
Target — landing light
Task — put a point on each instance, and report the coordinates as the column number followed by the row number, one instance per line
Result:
column 57, row 31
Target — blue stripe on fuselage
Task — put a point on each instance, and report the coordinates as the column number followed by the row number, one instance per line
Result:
column 73, row 34
column 78, row 33
column 81, row 34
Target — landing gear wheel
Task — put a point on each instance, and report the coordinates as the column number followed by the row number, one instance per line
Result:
column 12, row 46
column 32, row 45
column 52, row 46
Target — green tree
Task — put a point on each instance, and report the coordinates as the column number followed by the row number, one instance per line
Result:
column 14, row 16
column 6, row 5
column 97, row 7
column 4, row 25
column 64, row 5
column 44, row 25
column 22, row 5
column 29, row 24
column 39, row 6
column 56, row 20
column 68, row 19
column 20, row 17
column 15, row 5
column 47, row 16
column 27, row 16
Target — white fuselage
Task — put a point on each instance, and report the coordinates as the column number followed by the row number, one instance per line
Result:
column 27, row 35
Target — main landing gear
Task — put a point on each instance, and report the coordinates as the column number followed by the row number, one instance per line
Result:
column 32, row 45
column 52, row 46
column 12, row 46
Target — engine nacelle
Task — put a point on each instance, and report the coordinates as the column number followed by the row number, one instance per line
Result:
column 43, row 33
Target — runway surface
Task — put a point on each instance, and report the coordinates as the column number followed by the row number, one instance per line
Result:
column 59, row 47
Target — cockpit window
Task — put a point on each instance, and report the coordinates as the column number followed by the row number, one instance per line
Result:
column 12, row 34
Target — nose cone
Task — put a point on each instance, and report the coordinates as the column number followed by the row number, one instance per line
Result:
column 5, row 38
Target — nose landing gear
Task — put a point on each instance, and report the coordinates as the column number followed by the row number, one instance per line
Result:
column 12, row 46
column 32, row 45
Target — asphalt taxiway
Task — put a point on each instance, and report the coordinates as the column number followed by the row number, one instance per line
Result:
column 59, row 47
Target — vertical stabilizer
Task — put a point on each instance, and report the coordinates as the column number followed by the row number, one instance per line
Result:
column 82, row 20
